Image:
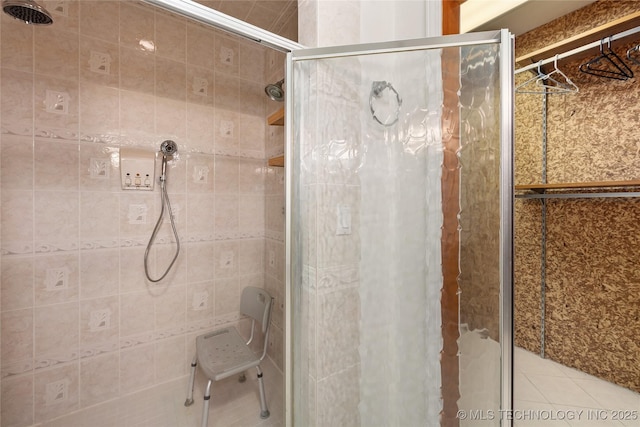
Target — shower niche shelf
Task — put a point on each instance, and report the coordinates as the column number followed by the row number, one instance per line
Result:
column 277, row 161
column 276, row 119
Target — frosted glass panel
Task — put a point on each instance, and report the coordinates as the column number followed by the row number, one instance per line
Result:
column 371, row 133
column 479, row 220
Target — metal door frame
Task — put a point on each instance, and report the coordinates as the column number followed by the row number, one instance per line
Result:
column 506, row 41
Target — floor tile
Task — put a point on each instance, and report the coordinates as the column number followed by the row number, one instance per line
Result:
column 573, row 398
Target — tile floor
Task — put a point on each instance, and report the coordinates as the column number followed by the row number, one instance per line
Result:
column 543, row 389
column 546, row 389
column 233, row 404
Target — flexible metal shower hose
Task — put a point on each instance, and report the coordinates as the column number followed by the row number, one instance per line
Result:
column 164, row 200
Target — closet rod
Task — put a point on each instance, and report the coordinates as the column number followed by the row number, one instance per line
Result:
column 578, row 50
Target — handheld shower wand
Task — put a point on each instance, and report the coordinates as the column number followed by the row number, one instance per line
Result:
column 168, row 149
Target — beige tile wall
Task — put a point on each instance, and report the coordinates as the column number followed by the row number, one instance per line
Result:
column 79, row 322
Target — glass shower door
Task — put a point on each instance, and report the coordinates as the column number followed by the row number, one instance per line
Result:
column 399, row 199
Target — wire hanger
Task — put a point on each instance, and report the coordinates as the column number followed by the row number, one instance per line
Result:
column 607, row 65
column 631, row 55
column 554, row 82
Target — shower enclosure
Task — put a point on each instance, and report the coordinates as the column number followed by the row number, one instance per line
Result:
column 399, row 199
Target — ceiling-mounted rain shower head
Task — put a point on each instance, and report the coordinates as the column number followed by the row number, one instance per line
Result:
column 275, row 91
column 27, row 11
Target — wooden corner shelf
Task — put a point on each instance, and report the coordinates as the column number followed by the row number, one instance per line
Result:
column 277, row 118
column 598, row 33
column 277, row 161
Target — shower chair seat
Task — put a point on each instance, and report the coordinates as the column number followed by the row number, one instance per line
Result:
column 223, row 352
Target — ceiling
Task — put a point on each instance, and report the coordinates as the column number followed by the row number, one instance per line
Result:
column 519, row 16
column 272, row 15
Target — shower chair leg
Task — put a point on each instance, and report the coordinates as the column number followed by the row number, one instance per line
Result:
column 205, row 409
column 264, row 411
column 192, row 378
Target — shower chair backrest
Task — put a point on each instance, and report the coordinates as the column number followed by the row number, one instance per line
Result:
column 256, row 303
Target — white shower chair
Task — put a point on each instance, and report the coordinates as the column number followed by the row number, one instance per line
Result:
column 223, row 353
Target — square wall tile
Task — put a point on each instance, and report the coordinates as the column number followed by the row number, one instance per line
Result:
column 99, row 379
column 17, row 47
column 171, row 79
column 57, row 278
column 56, row 391
column 200, row 82
column 17, row 220
column 170, row 356
column 171, row 119
column 137, row 116
column 16, row 108
column 16, row 163
column 17, row 401
column 99, row 273
column 252, row 100
column 99, row 223
column 200, row 42
column 200, row 215
column 251, row 176
column 226, row 175
column 170, row 307
column 200, row 173
column 200, row 127
column 137, row 313
column 56, row 53
column 251, row 256
column 137, row 71
column 226, row 213
column 251, row 213
column 227, row 296
column 99, row 167
column 137, row 368
column 57, row 331
column 100, row 19
column 252, row 63
column 137, row 26
column 171, row 36
column 99, row 324
column 56, row 165
column 226, row 258
column 200, row 267
column 99, row 120
column 99, row 62
column 17, row 335
column 200, row 300
column 226, row 88
column 16, row 282
column 132, row 278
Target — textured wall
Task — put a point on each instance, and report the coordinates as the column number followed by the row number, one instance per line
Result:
column 592, row 320
column 77, row 314
column 527, row 306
